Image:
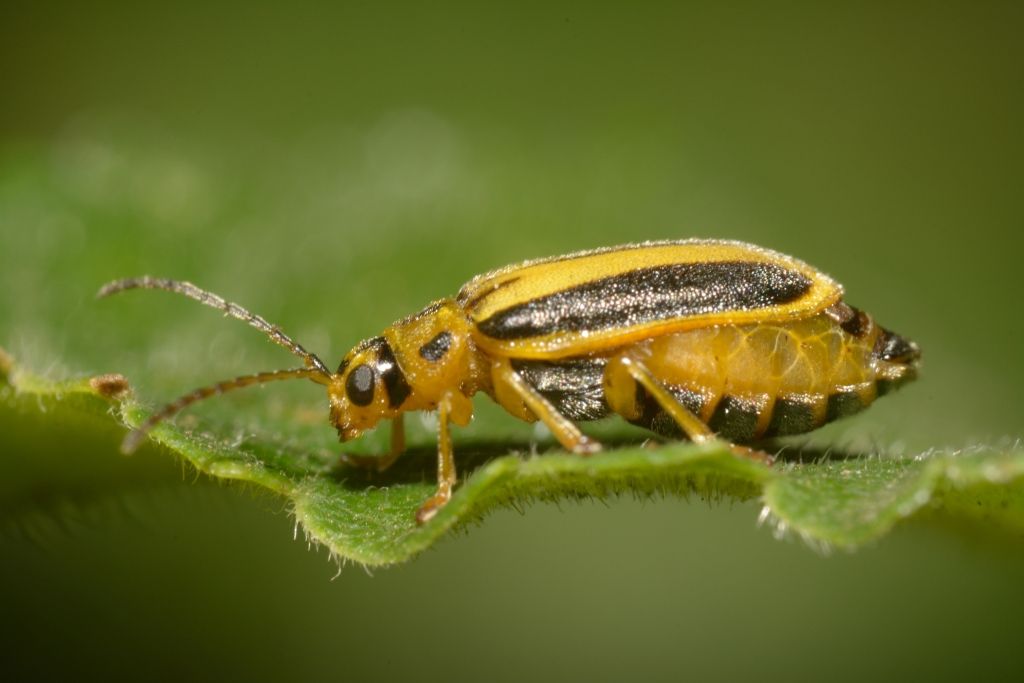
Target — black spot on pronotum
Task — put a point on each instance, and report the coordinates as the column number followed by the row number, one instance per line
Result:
column 647, row 295
column 359, row 385
column 435, row 349
column 394, row 379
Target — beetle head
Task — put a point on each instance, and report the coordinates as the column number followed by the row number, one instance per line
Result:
column 366, row 388
column 410, row 367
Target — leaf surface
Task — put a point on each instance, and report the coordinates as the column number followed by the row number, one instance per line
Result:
column 369, row 518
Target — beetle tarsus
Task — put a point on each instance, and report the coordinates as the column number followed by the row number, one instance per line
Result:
column 755, row 454
column 587, row 446
column 431, row 507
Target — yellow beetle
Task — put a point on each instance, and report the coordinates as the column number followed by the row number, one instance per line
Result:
column 687, row 338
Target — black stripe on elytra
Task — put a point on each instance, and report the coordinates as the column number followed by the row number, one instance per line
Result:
column 394, row 379
column 648, row 295
column 435, row 349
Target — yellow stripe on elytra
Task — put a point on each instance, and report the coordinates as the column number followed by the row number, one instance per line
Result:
column 513, row 285
column 489, row 294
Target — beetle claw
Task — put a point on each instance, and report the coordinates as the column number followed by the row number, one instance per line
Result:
column 752, row 454
column 587, row 446
column 430, row 508
column 374, row 463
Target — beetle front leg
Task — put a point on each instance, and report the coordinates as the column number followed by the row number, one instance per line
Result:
column 509, row 386
column 452, row 407
column 379, row 463
column 621, row 377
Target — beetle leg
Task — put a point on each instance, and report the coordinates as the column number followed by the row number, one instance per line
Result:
column 623, row 373
column 620, row 379
column 567, row 433
column 397, row 440
column 445, row 463
column 380, row 463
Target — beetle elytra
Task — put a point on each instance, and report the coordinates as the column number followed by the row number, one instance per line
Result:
column 687, row 338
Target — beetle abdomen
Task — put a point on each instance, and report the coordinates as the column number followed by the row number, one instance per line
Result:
column 743, row 419
column 752, row 381
column 744, row 381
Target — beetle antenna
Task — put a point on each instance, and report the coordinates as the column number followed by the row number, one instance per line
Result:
column 135, row 437
column 234, row 310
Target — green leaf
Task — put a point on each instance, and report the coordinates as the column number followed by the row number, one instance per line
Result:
column 117, row 198
column 369, row 519
column 847, row 502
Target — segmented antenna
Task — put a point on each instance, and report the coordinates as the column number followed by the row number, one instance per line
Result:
column 234, row 310
column 135, row 437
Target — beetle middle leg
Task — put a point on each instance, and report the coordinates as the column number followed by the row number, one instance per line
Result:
column 510, row 386
column 624, row 373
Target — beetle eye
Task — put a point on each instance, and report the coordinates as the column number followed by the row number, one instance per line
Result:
column 359, row 385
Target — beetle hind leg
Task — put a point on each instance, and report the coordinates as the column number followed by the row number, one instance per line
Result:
column 624, row 374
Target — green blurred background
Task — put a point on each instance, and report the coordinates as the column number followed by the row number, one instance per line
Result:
column 338, row 167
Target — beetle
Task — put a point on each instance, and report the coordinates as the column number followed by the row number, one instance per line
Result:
column 692, row 338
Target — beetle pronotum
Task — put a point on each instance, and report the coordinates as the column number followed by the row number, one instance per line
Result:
column 687, row 338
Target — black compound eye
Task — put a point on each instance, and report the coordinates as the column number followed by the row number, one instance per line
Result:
column 359, row 385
